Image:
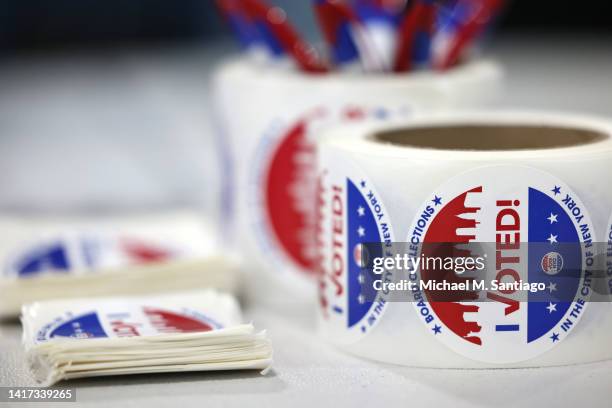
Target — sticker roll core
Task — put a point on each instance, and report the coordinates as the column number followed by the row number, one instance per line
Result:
column 538, row 179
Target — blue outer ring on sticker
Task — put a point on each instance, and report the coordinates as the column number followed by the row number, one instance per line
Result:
column 540, row 209
column 352, row 215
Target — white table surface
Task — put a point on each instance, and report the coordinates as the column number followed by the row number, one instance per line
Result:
column 45, row 127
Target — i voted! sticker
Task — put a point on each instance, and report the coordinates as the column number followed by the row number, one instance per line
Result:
column 543, row 234
column 120, row 320
column 352, row 216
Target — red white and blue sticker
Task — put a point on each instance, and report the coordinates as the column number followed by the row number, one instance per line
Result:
column 352, row 214
column 83, row 253
column 121, row 320
column 287, row 158
column 509, row 204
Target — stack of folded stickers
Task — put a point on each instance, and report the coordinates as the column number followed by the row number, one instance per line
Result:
column 192, row 331
column 62, row 258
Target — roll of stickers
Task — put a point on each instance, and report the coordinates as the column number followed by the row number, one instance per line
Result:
column 270, row 118
column 535, row 187
column 62, row 257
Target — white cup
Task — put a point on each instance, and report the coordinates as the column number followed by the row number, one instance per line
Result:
column 269, row 119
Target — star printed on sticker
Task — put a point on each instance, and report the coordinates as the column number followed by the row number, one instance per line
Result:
column 553, row 218
column 361, row 231
column 361, row 211
column 361, row 299
column 556, row 190
column 552, row 287
column 361, row 278
column 552, row 307
column 552, row 239
column 363, row 183
column 437, row 200
column 437, row 329
column 554, row 337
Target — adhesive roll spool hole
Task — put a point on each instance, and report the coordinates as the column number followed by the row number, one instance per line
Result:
column 270, row 118
column 442, row 178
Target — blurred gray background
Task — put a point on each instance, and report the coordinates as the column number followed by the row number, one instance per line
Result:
column 29, row 24
column 104, row 103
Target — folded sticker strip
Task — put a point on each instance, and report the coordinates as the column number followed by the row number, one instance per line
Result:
column 50, row 258
column 192, row 331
